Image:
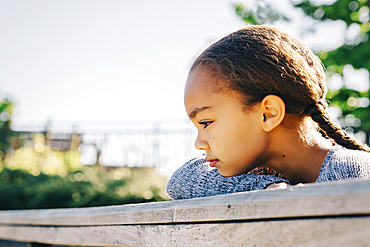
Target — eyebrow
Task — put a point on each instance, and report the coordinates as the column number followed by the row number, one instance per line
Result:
column 197, row 110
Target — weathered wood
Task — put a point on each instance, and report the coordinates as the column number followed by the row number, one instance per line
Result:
column 303, row 232
column 338, row 198
column 311, row 215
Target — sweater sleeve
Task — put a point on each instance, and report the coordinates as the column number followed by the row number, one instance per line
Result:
column 197, row 179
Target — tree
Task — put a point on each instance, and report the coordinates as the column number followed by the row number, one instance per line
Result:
column 345, row 64
column 6, row 110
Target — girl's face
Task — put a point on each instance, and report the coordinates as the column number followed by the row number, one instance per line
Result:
column 232, row 137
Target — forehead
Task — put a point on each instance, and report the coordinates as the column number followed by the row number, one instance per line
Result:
column 208, row 81
column 199, row 79
column 199, row 85
column 203, row 90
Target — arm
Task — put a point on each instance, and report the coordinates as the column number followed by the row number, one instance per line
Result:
column 197, row 179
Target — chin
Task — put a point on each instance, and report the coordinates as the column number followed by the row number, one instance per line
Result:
column 226, row 174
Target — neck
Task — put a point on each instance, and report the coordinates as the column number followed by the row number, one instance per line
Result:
column 299, row 161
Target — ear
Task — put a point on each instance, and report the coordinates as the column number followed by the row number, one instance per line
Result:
column 272, row 108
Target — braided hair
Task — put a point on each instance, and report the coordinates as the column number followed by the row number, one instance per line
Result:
column 319, row 114
column 257, row 61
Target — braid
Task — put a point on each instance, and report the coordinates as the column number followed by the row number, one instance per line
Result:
column 320, row 115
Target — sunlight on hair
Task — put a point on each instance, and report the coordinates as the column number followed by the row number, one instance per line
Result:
column 308, row 133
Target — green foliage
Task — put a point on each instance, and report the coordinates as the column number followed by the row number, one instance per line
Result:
column 36, row 157
column 355, row 51
column 346, row 10
column 261, row 13
column 92, row 186
column 34, row 176
column 6, row 110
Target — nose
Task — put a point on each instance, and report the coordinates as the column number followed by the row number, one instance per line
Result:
column 201, row 143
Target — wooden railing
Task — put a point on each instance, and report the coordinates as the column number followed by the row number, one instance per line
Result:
column 327, row 214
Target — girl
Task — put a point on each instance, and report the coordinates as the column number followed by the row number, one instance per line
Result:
column 257, row 98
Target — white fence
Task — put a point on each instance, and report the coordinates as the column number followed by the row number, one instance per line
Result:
column 164, row 149
column 138, row 144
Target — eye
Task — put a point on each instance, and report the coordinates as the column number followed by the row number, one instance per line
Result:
column 205, row 123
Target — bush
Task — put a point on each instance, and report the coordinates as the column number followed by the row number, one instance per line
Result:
column 91, row 186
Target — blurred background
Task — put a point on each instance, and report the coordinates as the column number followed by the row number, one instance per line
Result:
column 91, row 92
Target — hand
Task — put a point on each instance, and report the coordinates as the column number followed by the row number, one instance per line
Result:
column 281, row 185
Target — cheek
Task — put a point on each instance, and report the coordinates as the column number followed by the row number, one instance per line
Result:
column 242, row 138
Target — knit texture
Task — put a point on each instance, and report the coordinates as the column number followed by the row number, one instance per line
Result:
column 342, row 164
column 197, row 179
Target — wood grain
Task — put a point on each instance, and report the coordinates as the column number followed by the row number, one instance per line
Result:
column 327, row 214
column 302, row 232
column 340, row 198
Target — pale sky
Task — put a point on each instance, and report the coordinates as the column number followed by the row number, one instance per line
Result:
column 87, row 61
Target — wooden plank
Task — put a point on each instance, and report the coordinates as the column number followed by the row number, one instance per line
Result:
column 339, row 198
column 341, row 231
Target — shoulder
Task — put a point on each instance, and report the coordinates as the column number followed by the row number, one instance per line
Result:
column 341, row 155
column 341, row 163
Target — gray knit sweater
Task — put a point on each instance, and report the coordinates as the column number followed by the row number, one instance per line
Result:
column 197, row 179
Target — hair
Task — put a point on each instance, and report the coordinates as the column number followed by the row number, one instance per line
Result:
column 257, row 61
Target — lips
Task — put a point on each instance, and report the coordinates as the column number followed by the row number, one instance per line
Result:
column 212, row 162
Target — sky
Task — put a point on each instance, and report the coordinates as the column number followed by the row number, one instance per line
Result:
column 104, row 62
